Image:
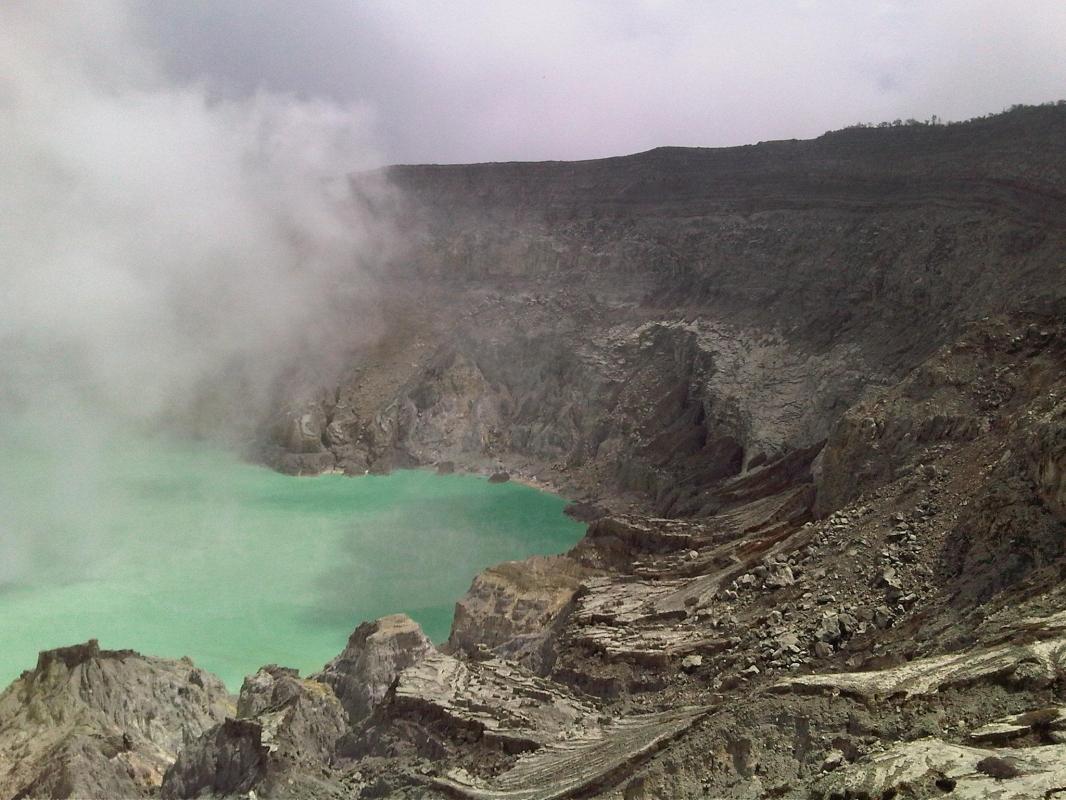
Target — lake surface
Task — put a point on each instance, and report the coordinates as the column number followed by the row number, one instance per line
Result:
column 175, row 549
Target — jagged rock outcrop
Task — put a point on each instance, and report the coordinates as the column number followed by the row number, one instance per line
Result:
column 493, row 702
column 377, row 652
column 486, row 712
column 87, row 722
column 302, row 709
column 1036, row 665
column 281, row 744
column 510, row 608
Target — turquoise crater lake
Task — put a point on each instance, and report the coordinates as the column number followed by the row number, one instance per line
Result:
column 175, row 549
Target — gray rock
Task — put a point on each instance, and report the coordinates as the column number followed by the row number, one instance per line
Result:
column 510, row 608
column 377, row 652
column 88, row 722
column 829, row 629
column 848, row 624
column 780, row 576
column 883, row 617
column 967, row 772
column 834, row 759
column 285, row 738
column 691, row 663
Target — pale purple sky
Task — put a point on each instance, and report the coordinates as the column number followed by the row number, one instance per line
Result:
column 482, row 81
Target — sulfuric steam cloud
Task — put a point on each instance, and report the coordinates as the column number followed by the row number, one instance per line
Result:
column 157, row 242
column 165, row 255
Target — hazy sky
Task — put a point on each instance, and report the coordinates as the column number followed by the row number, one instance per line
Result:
column 494, row 80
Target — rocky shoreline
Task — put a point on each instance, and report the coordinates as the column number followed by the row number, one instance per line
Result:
column 759, row 652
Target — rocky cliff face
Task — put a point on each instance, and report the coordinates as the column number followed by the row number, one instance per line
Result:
column 648, row 326
column 815, row 390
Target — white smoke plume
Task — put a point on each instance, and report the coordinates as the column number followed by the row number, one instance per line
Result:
column 155, row 238
column 165, row 255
